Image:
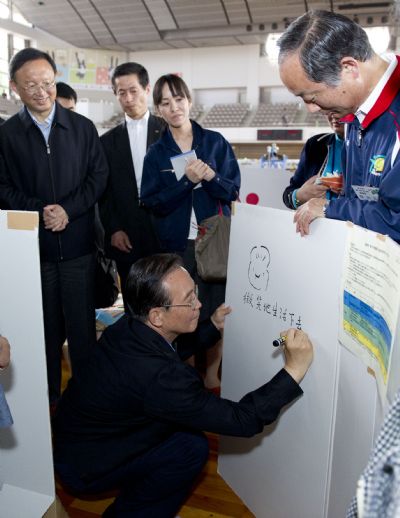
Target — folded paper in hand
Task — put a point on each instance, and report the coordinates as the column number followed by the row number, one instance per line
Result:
column 179, row 162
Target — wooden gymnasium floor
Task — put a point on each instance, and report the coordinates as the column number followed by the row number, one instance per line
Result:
column 211, row 498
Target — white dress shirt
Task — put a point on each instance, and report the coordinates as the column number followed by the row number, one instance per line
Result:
column 367, row 105
column 137, row 132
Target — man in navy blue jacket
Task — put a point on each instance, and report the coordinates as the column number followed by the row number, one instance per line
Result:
column 327, row 60
column 135, row 420
column 318, row 155
column 51, row 161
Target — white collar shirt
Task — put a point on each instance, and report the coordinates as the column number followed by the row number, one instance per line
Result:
column 137, row 132
column 45, row 126
column 368, row 104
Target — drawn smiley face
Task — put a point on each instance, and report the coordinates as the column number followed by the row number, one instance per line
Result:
column 258, row 267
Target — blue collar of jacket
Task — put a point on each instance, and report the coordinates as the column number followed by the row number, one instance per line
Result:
column 167, row 140
column 61, row 118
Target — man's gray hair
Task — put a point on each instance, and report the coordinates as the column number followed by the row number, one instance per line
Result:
column 322, row 39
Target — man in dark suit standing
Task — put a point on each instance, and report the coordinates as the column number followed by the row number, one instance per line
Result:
column 52, row 162
column 129, row 233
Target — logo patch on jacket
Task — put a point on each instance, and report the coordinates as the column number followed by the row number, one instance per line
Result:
column 377, row 164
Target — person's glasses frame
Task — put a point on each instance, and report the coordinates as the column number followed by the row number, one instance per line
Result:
column 33, row 89
column 192, row 304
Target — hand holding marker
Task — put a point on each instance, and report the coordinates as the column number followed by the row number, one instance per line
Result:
column 297, row 351
column 279, row 341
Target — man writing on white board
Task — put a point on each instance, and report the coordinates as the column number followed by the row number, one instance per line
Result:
column 135, row 420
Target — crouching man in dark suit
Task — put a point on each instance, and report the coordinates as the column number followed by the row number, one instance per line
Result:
column 135, row 420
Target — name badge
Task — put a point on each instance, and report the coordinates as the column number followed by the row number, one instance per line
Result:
column 365, row 193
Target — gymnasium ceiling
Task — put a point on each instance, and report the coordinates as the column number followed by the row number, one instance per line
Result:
column 137, row 25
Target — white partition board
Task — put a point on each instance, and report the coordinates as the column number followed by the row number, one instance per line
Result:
column 265, row 184
column 305, row 465
column 26, row 467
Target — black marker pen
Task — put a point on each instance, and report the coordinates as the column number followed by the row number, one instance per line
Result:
column 279, row 341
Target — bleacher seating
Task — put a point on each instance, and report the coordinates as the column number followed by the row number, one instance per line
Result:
column 278, row 114
column 114, row 121
column 196, row 112
column 226, row 115
column 315, row 119
column 9, row 107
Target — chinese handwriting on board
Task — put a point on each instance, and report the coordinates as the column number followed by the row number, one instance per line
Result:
column 258, row 275
column 272, row 309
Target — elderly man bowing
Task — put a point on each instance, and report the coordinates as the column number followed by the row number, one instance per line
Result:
column 326, row 59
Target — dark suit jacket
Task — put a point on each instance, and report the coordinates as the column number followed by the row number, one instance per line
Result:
column 74, row 175
column 119, row 207
column 137, row 391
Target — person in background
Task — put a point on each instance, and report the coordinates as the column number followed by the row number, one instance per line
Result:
column 135, row 420
column 66, row 96
column 52, row 162
column 5, row 414
column 320, row 156
column 209, row 185
column 327, row 60
column 129, row 232
column 4, row 352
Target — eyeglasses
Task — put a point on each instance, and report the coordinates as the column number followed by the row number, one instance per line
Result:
column 192, row 304
column 33, row 89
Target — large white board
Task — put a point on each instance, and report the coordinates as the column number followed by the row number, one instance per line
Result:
column 26, row 467
column 263, row 186
column 307, row 463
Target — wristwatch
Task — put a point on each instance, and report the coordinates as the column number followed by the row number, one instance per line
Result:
column 295, row 202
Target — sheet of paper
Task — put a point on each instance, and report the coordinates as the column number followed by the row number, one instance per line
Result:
column 369, row 300
column 179, row 162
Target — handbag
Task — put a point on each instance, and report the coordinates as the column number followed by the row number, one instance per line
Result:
column 212, row 246
column 106, row 281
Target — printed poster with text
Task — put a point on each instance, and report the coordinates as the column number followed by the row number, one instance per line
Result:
column 369, row 300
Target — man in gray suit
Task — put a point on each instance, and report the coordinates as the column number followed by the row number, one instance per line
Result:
column 129, row 233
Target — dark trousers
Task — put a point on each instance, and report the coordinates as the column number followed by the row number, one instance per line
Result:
column 68, row 313
column 153, row 485
column 123, row 268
